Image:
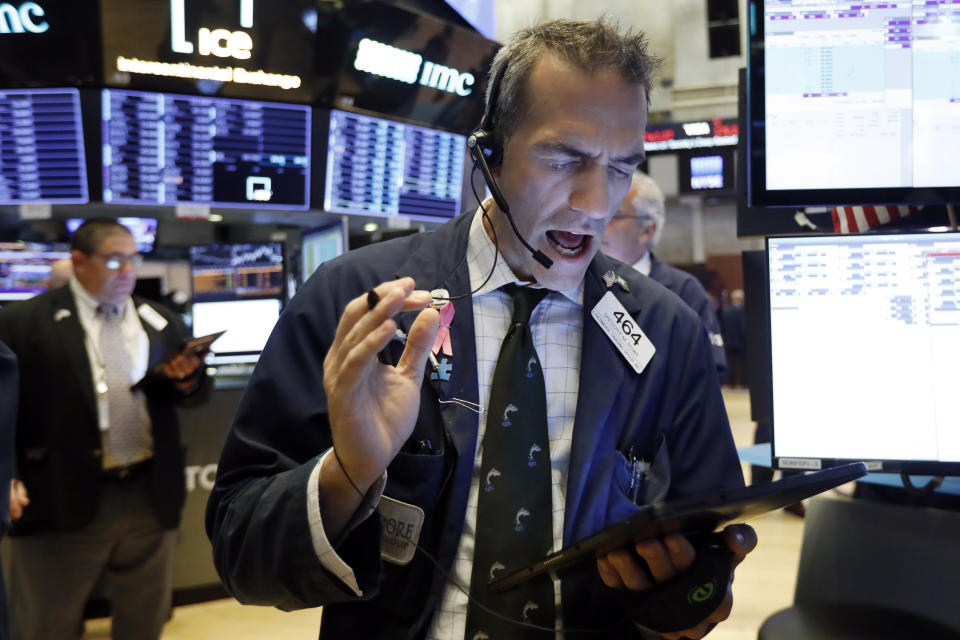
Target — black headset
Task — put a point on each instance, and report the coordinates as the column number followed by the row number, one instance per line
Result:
column 486, row 150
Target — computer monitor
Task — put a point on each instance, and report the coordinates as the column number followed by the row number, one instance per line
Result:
column 144, row 230
column 237, row 271
column 161, row 148
column 380, row 167
column 707, row 172
column 24, row 274
column 853, row 103
column 319, row 245
column 41, row 147
column 248, row 324
column 864, row 342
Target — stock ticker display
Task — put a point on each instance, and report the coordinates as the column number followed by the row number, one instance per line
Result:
column 41, row 147
column 167, row 149
column 237, row 271
column 379, row 167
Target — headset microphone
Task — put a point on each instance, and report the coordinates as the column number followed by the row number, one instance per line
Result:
column 482, row 142
column 475, row 144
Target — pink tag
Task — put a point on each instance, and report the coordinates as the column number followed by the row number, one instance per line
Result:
column 443, row 335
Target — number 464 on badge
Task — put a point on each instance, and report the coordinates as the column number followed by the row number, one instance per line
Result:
column 620, row 327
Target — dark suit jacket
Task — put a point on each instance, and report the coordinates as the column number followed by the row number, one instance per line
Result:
column 58, row 447
column 257, row 514
column 692, row 292
column 8, row 413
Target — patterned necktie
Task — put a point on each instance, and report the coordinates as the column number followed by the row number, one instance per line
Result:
column 514, row 507
column 128, row 434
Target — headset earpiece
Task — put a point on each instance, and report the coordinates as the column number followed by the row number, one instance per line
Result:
column 486, row 151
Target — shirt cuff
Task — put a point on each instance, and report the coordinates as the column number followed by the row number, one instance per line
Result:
column 329, row 558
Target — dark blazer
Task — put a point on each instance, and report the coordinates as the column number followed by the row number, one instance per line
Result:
column 257, row 512
column 58, row 447
column 692, row 292
column 8, row 413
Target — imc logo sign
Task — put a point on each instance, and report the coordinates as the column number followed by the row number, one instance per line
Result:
column 27, row 18
column 219, row 42
column 405, row 66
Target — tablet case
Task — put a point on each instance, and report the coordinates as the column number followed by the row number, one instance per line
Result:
column 689, row 515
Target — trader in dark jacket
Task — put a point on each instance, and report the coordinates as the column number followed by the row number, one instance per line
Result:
column 631, row 236
column 99, row 466
column 327, row 433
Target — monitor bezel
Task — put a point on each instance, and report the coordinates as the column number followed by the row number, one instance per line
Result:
column 760, row 196
column 901, row 466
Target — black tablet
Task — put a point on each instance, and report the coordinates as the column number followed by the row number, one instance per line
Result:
column 693, row 514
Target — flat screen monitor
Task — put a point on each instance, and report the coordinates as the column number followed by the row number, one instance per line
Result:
column 706, row 172
column 379, row 167
column 237, row 271
column 854, row 103
column 24, row 274
column 248, row 324
column 165, row 149
column 865, row 341
column 41, row 147
column 319, row 245
column 144, row 230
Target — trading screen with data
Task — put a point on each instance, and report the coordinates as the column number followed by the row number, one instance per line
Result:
column 41, row 147
column 166, row 149
column 380, row 167
column 237, row 271
column 865, row 341
column 861, row 94
column 24, row 274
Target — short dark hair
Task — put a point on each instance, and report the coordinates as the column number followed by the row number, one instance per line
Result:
column 90, row 235
column 588, row 45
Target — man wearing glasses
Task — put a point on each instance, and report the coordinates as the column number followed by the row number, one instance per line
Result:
column 99, row 480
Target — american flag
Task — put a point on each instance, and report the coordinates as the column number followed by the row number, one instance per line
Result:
column 860, row 219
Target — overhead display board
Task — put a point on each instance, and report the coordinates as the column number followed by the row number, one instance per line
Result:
column 41, row 147
column 380, row 167
column 169, row 149
column 391, row 61
column 49, row 43
column 236, row 48
column 699, row 134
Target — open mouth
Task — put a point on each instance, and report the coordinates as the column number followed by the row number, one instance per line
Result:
column 568, row 243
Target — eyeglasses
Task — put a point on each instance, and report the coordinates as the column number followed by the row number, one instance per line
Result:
column 114, row 261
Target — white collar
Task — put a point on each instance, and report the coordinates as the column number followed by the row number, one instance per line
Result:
column 87, row 301
column 644, row 264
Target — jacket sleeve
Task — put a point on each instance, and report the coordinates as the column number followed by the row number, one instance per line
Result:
column 703, row 457
column 161, row 388
column 257, row 515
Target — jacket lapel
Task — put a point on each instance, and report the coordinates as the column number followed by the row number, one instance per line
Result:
column 73, row 342
column 440, row 262
column 153, row 337
column 602, row 371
